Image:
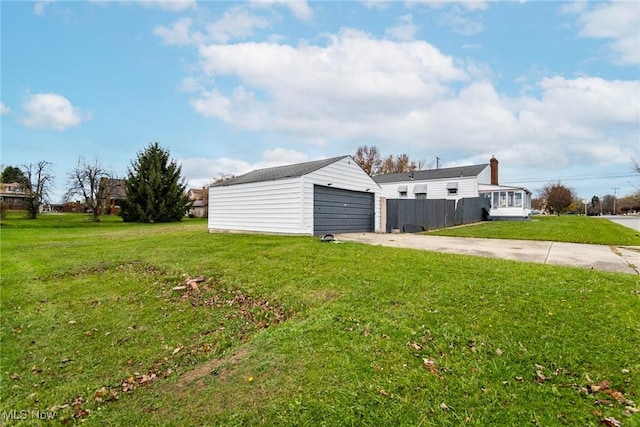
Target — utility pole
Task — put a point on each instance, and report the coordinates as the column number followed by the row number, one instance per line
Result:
column 614, row 199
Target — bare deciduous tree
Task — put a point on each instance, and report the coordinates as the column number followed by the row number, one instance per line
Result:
column 85, row 181
column 40, row 178
column 371, row 162
column 400, row 163
column 368, row 158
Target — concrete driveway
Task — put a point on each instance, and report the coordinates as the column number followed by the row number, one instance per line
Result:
column 600, row 257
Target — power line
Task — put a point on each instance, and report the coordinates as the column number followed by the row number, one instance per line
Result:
column 574, row 178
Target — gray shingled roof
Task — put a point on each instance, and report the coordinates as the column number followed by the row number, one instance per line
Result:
column 280, row 172
column 446, row 173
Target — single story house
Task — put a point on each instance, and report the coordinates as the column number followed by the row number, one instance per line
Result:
column 456, row 183
column 313, row 198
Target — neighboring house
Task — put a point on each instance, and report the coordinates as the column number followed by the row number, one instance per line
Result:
column 14, row 195
column 448, row 183
column 314, row 198
column 457, row 183
column 198, row 199
column 113, row 192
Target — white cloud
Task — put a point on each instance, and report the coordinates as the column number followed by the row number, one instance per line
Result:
column 4, row 109
column 405, row 30
column 51, row 111
column 410, row 96
column 236, row 23
column 190, row 84
column 439, row 4
column 376, row 4
column 299, row 8
column 176, row 34
column 279, row 157
column 335, row 90
column 460, row 23
column 39, row 8
column 618, row 22
column 170, row 5
column 461, row 16
column 201, row 171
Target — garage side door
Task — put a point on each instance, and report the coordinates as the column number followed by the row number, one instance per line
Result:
column 341, row 211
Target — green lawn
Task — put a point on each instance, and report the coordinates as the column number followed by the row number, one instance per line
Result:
column 95, row 326
column 565, row 228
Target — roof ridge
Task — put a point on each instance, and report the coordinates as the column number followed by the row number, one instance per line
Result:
column 281, row 172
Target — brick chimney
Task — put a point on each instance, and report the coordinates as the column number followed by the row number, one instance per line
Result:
column 494, row 170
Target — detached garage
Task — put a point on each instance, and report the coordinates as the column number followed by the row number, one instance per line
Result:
column 315, row 198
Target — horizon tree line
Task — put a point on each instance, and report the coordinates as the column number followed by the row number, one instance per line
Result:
column 156, row 190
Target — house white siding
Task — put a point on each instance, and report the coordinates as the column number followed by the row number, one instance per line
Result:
column 436, row 189
column 285, row 205
column 268, row 206
column 484, row 177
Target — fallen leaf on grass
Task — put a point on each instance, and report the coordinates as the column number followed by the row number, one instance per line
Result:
column 540, row 378
column 384, row 393
column 414, row 345
column 430, row 364
column 499, row 352
column 629, row 411
column 105, row 394
column 617, row 395
column 444, row 406
column 178, row 349
column 611, row 422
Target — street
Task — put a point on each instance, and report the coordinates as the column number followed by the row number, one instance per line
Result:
column 631, row 221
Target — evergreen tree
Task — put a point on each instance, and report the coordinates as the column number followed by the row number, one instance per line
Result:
column 155, row 189
column 12, row 174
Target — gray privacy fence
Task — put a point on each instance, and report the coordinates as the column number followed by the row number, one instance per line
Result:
column 412, row 215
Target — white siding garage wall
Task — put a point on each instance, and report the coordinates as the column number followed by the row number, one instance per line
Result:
column 285, row 205
column 268, row 206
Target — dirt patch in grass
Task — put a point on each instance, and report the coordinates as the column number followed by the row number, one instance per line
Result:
column 220, row 367
column 324, row 295
column 226, row 319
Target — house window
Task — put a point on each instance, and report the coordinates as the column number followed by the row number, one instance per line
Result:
column 452, row 188
column 510, row 199
column 503, row 199
column 495, row 203
column 402, row 190
column 517, row 201
column 420, row 190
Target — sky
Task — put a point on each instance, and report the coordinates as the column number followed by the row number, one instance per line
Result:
column 551, row 89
